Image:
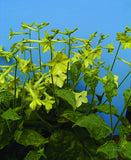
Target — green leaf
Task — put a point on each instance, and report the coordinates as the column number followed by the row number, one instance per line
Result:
column 90, row 78
column 72, row 116
column 5, row 95
column 75, row 71
column 109, row 149
column 5, row 135
column 127, row 97
column 95, row 125
column 10, row 114
column 106, row 109
column 125, row 148
column 29, row 137
column 64, row 145
column 68, row 96
column 32, row 155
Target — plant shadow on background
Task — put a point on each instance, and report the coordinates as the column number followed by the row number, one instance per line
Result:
column 45, row 116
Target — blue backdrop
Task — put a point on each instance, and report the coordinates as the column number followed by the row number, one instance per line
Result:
column 104, row 16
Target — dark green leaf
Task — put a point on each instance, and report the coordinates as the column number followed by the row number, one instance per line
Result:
column 68, row 96
column 10, row 114
column 29, row 137
column 64, row 145
column 5, row 135
column 109, row 149
column 106, row 109
column 32, row 155
column 95, row 125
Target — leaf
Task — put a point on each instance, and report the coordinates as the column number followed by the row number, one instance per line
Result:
column 72, row 116
column 109, row 149
column 5, row 135
column 75, row 71
column 106, row 109
column 68, row 96
column 29, row 137
column 64, row 145
column 5, row 95
column 127, row 97
column 95, row 125
column 32, row 155
column 125, row 148
column 10, row 114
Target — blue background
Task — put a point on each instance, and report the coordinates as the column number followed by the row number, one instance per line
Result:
column 104, row 16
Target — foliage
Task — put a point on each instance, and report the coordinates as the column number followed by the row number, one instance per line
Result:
column 46, row 116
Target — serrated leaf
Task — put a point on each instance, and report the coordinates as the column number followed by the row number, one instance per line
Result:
column 29, row 137
column 10, row 114
column 106, row 109
column 68, row 96
column 109, row 149
column 96, row 126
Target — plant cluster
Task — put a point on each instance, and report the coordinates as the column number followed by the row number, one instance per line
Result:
column 46, row 116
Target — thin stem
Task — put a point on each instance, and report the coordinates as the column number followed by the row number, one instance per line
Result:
column 115, row 56
column 15, row 84
column 111, row 117
column 30, row 46
column 31, row 52
column 69, row 49
column 39, row 48
column 121, row 114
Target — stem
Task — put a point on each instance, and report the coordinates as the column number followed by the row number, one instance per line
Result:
column 68, row 62
column 39, row 48
column 116, row 56
column 53, row 87
column 30, row 46
column 121, row 114
column 15, row 84
column 31, row 52
column 111, row 117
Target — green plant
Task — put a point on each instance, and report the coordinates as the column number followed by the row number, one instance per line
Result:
column 46, row 116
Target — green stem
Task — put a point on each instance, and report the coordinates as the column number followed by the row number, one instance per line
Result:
column 53, row 87
column 69, row 49
column 15, row 83
column 39, row 48
column 31, row 51
column 121, row 114
column 111, row 117
column 115, row 56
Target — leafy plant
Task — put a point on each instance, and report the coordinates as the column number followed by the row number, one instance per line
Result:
column 46, row 116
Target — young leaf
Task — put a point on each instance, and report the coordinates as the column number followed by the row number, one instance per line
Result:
column 75, row 71
column 109, row 149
